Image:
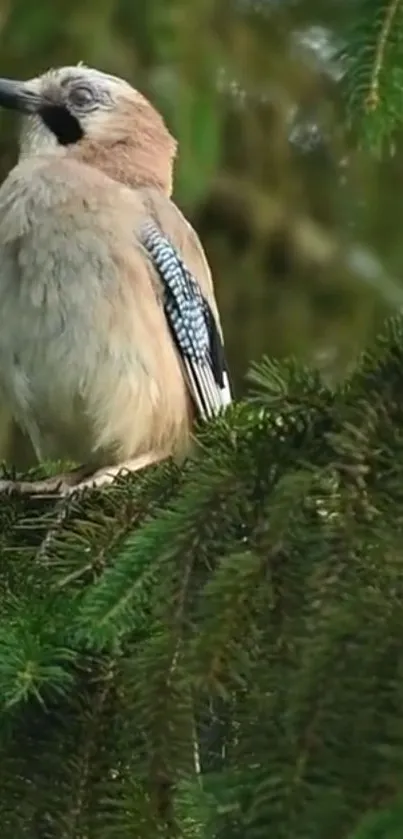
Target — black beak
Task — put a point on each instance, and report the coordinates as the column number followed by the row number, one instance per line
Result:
column 19, row 97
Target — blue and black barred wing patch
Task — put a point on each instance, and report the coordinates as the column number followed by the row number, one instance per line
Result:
column 192, row 325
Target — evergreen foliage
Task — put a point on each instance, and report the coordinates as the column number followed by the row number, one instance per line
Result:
column 216, row 651
column 374, row 61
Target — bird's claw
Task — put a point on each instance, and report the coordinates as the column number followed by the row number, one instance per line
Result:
column 45, row 488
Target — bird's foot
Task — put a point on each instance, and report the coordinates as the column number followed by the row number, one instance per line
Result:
column 106, row 476
column 78, row 480
column 60, row 484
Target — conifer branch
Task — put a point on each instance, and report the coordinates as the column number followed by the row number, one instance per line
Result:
column 372, row 55
column 390, row 10
column 87, row 751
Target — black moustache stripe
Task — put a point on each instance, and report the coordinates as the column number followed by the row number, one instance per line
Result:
column 62, row 123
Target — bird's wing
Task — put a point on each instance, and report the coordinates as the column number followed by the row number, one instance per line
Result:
column 192, row 323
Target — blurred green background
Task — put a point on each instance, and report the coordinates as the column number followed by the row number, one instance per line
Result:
column 302, row 229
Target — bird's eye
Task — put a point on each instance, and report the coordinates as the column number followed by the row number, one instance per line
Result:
column 81, row 96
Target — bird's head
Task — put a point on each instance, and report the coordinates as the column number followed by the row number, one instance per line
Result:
column 100, row 119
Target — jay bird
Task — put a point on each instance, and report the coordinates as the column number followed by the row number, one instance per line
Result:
column 111, row 344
